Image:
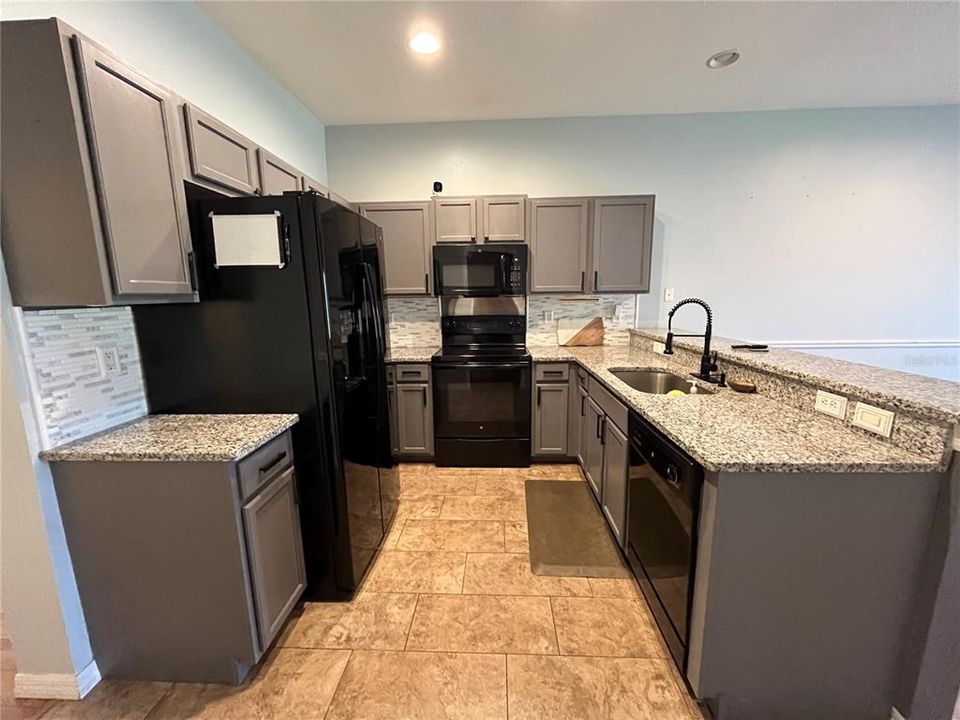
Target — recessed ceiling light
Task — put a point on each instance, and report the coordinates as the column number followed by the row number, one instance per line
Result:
column 425, row 43
column 722, row 59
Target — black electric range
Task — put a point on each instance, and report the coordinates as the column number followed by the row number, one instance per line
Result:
column 481, row 391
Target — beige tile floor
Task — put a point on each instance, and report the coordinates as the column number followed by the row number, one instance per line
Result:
column 450, row 623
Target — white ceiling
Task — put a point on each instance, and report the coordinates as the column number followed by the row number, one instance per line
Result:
column 349, row 64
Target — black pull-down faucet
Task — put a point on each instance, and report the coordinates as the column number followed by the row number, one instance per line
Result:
column 708, row 361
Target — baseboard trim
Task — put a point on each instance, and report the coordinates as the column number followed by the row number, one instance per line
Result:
column 56, row 686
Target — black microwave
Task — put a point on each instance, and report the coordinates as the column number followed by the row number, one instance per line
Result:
column 480, row 271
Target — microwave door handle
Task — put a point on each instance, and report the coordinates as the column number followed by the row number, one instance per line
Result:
column 504, row 274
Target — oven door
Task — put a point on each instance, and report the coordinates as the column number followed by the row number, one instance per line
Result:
column 469, row 272
column 481, row 400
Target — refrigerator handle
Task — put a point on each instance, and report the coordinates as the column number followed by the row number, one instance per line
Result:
column 375, row 310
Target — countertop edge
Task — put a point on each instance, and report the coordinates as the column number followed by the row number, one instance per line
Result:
column 63, row 453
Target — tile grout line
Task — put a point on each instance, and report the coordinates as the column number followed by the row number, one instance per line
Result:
column 553, row 618
column 339, row 681
column 413, row 616
column 506, row 682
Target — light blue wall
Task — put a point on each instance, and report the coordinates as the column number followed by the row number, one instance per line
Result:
column 825, row 225
column 181, row 47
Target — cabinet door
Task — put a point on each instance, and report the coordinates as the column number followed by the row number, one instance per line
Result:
column 308, row 183
column 220, row 154
column 593, row 447
column 455, row 219
column 406, row 245
column 276, row 176
column 622, row 243
column 580, row 414
column 135, row 147
column 394, row 429
column 272, row 524
column 616, row 459
column 503, row 218
column 559, row 236
column 550, row 408
column 415, row 419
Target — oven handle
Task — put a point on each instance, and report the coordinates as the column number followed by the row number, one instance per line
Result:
column 496, row 365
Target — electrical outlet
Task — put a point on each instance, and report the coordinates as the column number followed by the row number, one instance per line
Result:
column 659, row 347
column 668, row 295
column 108, row 360
column 830, row 404
column 873, row 419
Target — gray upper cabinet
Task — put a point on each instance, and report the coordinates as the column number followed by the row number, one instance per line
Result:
column 559, row 239
column 455, row 219
column 503, row 218
column 272, row 524
column 615, row 468
column 219, row 154
column 136, row 155
column 622, row 243
column 276, row 176
column 308, row 183
column 406, row 245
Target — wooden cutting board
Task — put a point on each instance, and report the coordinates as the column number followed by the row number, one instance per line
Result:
column 582, row 331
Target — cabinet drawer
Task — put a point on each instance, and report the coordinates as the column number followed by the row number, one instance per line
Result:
column 552, row 372
column 412, row 373
column 615, row 409
column 263, row 464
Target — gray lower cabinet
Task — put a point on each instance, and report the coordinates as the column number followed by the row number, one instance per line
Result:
column 414, row 408
column 87, row 132
column 392, row 411
column 187, row 568
column 579, row 413
column 591, row 441
column 407, row 236
column 503, row 218
column 220, row 155
column 616, row 459
column 272, row 524
column 276, row 176
column 455, row 219
column 550, row 413
column 559, row 242
column 622, row 243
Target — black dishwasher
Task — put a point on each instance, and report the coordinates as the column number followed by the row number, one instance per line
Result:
column 662, row 514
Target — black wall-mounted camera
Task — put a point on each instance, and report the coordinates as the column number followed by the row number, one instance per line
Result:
column 437, row 186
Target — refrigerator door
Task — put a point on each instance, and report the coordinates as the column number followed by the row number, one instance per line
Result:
column 359, row 380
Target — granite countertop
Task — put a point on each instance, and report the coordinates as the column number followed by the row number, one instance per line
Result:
column 918, row 394
column 177, row 438
column 736, row 432
column 418, row 354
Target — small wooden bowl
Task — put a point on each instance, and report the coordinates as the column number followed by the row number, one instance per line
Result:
column 742, row 386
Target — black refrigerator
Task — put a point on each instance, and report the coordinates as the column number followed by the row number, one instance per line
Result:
column 303, row 335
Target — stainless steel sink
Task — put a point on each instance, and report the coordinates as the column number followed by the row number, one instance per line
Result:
column 656, row 382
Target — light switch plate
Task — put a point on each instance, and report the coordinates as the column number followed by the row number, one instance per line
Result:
column 873, row 419
column 668, row 295
column 659, row 347
column 830, row 404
